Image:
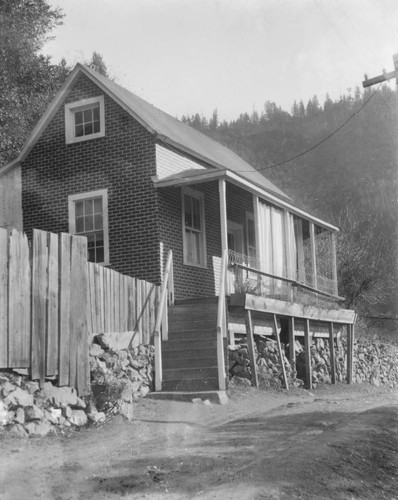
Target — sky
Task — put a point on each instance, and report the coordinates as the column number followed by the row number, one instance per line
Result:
column 194, row 56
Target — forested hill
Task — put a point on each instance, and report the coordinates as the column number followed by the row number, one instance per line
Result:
column 348, row 178
column 356, row 167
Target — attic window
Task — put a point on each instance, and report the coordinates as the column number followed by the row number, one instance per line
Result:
column 84, row 120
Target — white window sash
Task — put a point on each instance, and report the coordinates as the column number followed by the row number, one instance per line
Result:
column 190, row 250
column 72, row 199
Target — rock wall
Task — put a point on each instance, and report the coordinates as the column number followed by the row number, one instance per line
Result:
column 375, row 362
column 117, row 379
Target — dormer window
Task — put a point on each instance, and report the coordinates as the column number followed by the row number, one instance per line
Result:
column 84, row 120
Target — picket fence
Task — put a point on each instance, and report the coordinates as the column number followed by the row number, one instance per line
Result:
column 52, row 300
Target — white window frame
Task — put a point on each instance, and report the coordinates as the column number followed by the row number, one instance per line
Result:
column 72, row 108
column 200, row 196
column 73, row 198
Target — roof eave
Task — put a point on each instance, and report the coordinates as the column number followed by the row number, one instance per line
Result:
column 244, row 184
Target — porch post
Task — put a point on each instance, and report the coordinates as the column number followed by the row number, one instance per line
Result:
column 334, row 265
column 256, row 210
column 313, row 256
column 223, row 214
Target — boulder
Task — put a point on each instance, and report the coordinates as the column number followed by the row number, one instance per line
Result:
column 33, row 413
column 19, row 397
column 39, row 428
column 78, row 418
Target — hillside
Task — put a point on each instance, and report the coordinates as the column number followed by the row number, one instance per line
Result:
column 349, row 179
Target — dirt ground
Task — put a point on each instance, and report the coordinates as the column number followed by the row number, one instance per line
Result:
column 336, row 442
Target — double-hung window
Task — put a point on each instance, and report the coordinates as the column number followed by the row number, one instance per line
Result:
column 84, row 120
column 194, row 235
column 88, row 216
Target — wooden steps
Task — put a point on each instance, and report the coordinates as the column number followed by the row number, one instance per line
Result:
column 189, row 356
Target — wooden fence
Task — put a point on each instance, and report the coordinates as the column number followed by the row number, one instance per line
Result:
column 119, row 303
column 51, row 299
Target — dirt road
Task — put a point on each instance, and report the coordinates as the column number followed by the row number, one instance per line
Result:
column 338, row 442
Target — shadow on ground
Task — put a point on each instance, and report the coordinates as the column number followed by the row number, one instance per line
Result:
column 303, row 455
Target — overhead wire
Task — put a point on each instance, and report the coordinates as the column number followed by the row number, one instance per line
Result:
column 299, row 155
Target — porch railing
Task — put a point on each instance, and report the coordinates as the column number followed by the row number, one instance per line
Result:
column 222, row 322
column 246, row 276
column 161, row 326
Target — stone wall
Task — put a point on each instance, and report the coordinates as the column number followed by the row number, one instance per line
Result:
column 375, row 362
column 118, row 378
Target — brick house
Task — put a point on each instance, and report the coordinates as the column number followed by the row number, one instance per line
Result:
column 106, row 164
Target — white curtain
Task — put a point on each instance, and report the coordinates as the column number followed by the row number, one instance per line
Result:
column 265, row 239
column 277, row 242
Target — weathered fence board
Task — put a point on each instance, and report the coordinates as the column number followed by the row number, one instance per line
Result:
column 64, row 313
column 119, row 303
column 39, row 303
column 51, row 299
column 3, row 298
column 52, row 307
column 19, row 302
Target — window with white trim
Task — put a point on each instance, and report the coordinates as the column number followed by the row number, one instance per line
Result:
column 194, row 234
column 88, row 216
column 84, row 120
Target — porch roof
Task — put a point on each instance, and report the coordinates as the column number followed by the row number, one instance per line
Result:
column 195, row 176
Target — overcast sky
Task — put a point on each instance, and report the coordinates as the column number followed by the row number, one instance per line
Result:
column 188, row 56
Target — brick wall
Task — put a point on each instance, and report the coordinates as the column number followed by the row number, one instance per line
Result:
column 192, row 281
column 123, row 162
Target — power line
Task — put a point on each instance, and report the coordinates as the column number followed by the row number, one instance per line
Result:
column 320, row 142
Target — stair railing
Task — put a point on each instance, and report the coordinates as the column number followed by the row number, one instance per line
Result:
column 222, row 322
column 161, row 325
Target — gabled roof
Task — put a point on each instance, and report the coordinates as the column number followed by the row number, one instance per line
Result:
column 166, row 128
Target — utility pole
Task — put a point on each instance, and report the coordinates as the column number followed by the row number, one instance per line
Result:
column 385, row 76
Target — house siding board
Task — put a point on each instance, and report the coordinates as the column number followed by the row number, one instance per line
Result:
column 190, row 281
column 170, row 162
column 123, row 162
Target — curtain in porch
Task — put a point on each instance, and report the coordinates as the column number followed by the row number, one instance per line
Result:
column 277, row 241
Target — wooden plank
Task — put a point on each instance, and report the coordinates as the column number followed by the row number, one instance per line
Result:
column 79, row 367
column 99, row 290
column 107, row 300
column 138, row 299
column 145, row 295
column 334, row 265
column 52, row 307
column 131, row 304
column 64, row 312
column 250, row 346
column 152, row 310
column 91, row 304
column 281, row 357
column 332, row 354
column 307, row 349
column 350, row 353
column 313, row 256
column 19, row 302
column 280, row 307
column 292, row 349
column 116, row 297
column 3, row 298
column 122, row 308
column 39, row 298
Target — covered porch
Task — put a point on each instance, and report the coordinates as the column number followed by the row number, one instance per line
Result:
column 268, row 262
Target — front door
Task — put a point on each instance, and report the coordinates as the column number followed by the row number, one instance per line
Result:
column 235, row 248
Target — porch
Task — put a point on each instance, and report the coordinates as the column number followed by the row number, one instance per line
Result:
column 266, row 262
column 191, row 336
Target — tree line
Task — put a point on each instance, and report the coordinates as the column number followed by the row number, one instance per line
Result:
column 348, row 178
